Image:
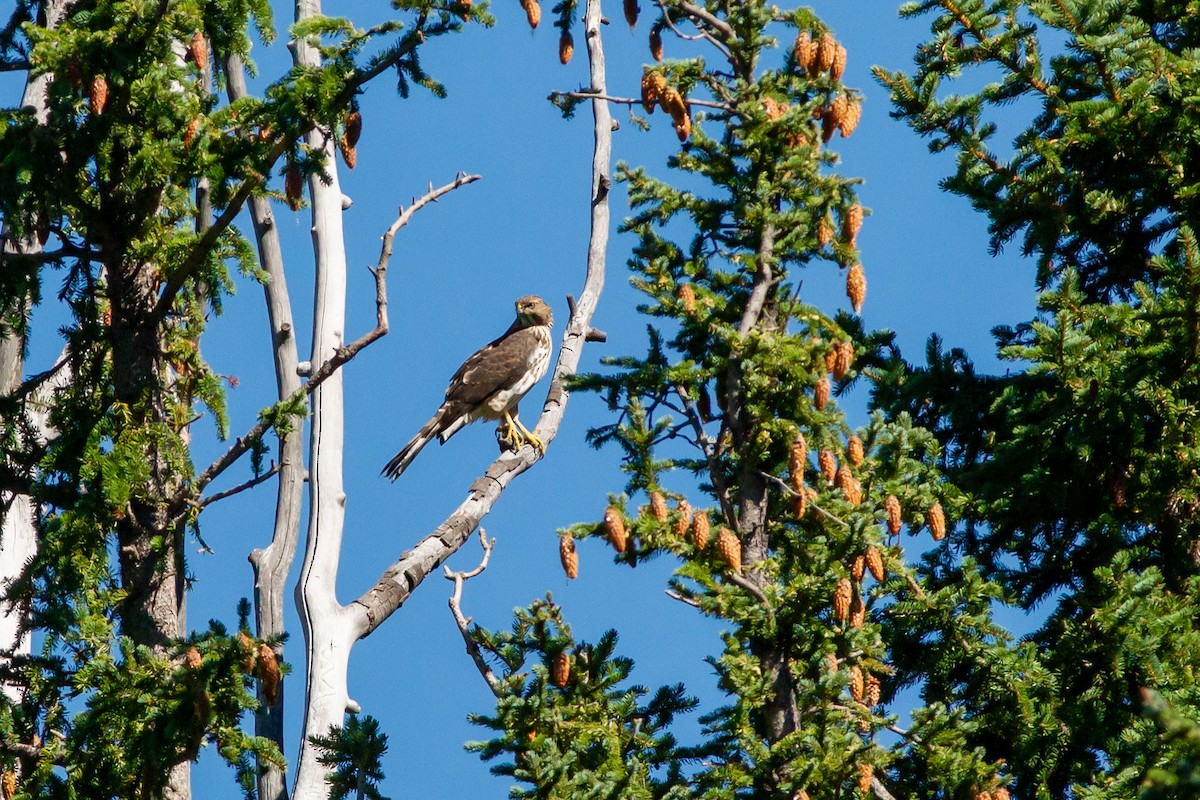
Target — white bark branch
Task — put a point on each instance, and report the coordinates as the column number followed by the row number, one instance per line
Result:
column 464, row 623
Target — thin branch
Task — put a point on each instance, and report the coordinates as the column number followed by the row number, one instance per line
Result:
column 703, row 34
column 696, row 12
column 343, row 354
column 880, row 790
column 632, row 101
column 738, row 580
column 709, row 449
column 250, row 484
column 464, row 623
column 686, row 600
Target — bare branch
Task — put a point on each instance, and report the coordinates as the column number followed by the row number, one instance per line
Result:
column 250, row 484
column 704, row 34
column 880, row 790
column 464, row 623
column 698, row 13
column 686, row 600
column 631, row 101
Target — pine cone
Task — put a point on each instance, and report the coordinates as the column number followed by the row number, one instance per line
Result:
column 858, row 568
column 683, row 519
column 656, row 44
column 872, row 691
column 293, row 187
column 874, row 561
column 560, row 670
column 857, row 683
column 683, row 127
column 192, row 658
column 653, row 85
column 631, row 12
column 268, row 674
column 349, row 153
column 984, row 795
column 843, row 359
column 850, row 119
column 800, row 502
column 190, row 134
column 805, row 51
column 834, row 116
column 828, row 125
column 831, row 663
column 99, row 96
column 729, row 549
column 353, row 128
column 841, row 599
column 533, row 12
column 568, row 556
column 856, row 287
column 658, row 506
column 838, row 67
column 843, row 477
column 9, row 784
column 892, row 504
column 687, row 295
column 700, row 530
column 566, row 47
column 937, row 522
column 826, row 52
column 824, row 231
column 854, row 451
column 828, row 465
column 199, row 50
column 1000, row 794
column 858, row 612
column 866, row 774
column 821, row 393
column 797, row 460
column 614, row 528
column 248, row 650
column 852, row 224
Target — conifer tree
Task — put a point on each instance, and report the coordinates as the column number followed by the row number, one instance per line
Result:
column 1079, row 464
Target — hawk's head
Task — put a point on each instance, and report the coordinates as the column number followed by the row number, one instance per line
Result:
column 532, row 310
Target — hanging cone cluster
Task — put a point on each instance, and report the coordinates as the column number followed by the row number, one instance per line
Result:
column 533, row 12
column 653, row 85
column 560, row 669
column 804, row 51
column 826, row 52
column 673, row 103
column 614, row 528
column 831, row 120
column 700, row 530
column 568, row 556
column 850, row 118
column 892, row 506
column 856, row 287
column 841, row 599
column 937, row 522
column 729, row 549
column 838, row 67
column 658, row 506
column 566, row 47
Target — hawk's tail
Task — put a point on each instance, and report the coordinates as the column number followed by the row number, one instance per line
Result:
column 401, row 460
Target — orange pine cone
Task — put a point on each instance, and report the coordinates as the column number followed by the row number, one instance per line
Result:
column 614, row 528
column 658, row 506
column 800, row 502
column 248, row 649
column 838, row 67
column 831, row 663
column 843, row 359
column 568, row 556
column 9, row 784
column 858, row 568
column 854, row 451
column 858, row 612
column 349, row 153
column 199, row 50
column 293, row 186
column 192, row 658
column 841, row 599
column 687, row 295
column 683, row 518
column 827, row 463
column 99, row 96
column 190, row 134
column 937, row 522
column 856, row 287
column 874, row 561
column 672, row 102
column 892, row 504
column 805, row 51
column 1000, row 794
column 656, row 44
column 798, row 456
column 984, row 795
column 866, row 774
column 821, row 393
column 683, row 127
column 653, row 85
column 700, row 530
column 729, row 549
column 353, row 128
column 872, row 691
column 826, row 51
column 857, row 684
column 268, row 674
column 631, row 12
column 824, row 231
column 843, row 477
column 566, row 47
column 533, row 12
column 560, row 670
column 852, row 224
column 850, row 119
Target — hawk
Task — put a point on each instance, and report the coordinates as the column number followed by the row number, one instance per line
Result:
column 490, row 384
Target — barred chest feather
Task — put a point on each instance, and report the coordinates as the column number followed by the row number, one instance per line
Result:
column 536, row 363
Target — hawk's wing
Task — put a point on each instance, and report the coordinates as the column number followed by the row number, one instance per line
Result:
column 498, row 365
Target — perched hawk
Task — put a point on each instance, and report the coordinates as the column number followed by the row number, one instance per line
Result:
column 490, row 383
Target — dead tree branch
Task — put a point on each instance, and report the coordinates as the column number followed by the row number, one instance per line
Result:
column 464, row 623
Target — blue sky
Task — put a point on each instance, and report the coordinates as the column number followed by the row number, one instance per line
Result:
column 455, row 273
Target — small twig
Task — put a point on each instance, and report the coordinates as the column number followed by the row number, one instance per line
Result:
column 708, row 447
column 250, row 484
column 686, row 600
column 708, row 19
column 462, row 622
column 703, row 34
column 593, row 334
column 738, row 580
column 631, row 101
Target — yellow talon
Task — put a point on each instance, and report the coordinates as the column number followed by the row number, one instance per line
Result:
column 518, row 434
